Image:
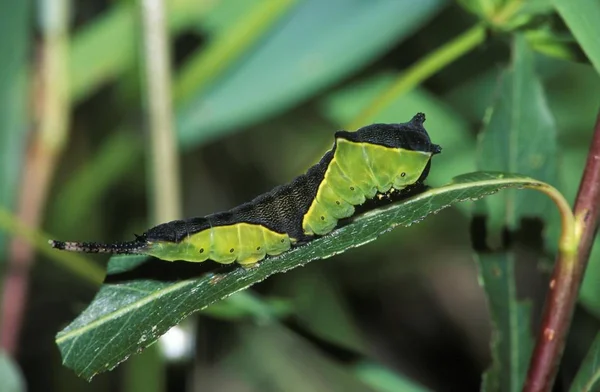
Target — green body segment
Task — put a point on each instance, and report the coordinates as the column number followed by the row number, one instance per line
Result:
column 358, row 171
column 242, row 242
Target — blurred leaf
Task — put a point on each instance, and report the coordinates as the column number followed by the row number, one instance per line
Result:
column 582, row 17
column 520, row 136
column 588, row 376
column 210, row 61
column 508, row 15
column 553, row 43
column 574, row 102
column 384, row 380
column 224, row 13
column 474, row 96
column 271, row 358
column 512, row 342
column 422, row 70
column 314, row 48
column 11, row 379
column 521, row 14
column 108, row 46
column 14, row 19
column 73, row 262
column 245, row 304
column 320, row 308
column 570, row 90
column 481, row 7
column 88, row 185
column 129, row 315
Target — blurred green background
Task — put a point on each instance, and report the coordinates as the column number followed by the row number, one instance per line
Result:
column 259, row 87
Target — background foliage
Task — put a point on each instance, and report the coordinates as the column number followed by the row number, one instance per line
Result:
column 259, row 87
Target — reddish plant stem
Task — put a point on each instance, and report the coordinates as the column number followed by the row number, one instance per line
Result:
column 38, row 169
column 50, row 102
column 566, row 278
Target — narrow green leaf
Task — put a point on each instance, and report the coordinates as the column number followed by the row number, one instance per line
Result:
column 223, row 13
column 209, row 62
column 582, row 17
column 385, row 380
column 588, row 376
column 245, row 304
column 128, row 315
column 11, row 379
column 323, row 309
column 75, row 263
column 512, row 342
column 520, row 135
column 15, row 22
column 337, row 38
column 108, row 46
column 86, row 187
column 273, row 358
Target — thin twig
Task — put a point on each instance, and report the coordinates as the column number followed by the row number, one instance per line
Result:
column 40, row 162
column 566, row 278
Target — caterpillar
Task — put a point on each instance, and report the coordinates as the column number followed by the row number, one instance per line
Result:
column 372, row 162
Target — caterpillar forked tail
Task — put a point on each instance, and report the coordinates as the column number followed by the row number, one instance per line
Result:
column 132, row 247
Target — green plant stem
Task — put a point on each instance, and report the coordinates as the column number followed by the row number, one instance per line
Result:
column 506, row 13
column 568, row 238
column 567, row 277
column 38, row 169
column 421, row 71
column 210, row 62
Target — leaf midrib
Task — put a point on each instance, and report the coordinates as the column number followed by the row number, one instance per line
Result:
column 117, row 313
column 177, row 286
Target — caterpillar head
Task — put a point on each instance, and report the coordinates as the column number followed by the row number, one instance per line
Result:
column 410, row 135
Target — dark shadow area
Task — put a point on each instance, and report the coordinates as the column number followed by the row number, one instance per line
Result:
column 333, row 350
column 529, row 235
column 166, row 271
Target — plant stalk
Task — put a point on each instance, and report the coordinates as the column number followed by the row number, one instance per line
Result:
column 567, row 277
column 147, row 372
column 164, row 159
column 43, row 152
column 421, row 71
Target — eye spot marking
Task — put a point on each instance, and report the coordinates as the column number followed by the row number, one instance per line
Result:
column 322, row 217
column 337, row 202
column 351, row 188
column 231, row 250
column 258, row 248
column 282, row 240
column 403, row 174
column 201, row 250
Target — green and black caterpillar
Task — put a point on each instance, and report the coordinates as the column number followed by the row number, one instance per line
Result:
column 362, row 165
